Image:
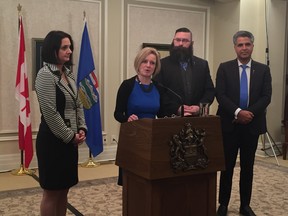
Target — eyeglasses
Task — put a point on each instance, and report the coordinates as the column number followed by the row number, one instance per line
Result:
column 183, row 40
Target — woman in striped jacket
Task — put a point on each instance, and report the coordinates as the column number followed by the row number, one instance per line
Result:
column 62, row 128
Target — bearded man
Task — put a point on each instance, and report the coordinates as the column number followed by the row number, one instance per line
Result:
column 186, row 78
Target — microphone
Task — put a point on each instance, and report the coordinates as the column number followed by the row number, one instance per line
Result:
column 175, row 94
column 267, row 56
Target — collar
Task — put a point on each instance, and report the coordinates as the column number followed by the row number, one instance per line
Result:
column 248, row 64
column 54, row 69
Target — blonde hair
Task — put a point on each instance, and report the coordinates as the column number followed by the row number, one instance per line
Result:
column 142, row 54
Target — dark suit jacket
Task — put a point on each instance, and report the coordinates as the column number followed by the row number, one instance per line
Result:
column 228, row 94
column 170, row 77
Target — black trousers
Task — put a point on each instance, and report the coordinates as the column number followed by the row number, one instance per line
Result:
column 238, row 140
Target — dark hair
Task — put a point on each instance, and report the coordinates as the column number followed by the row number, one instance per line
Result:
column 51, row 46
column 183, row 29
column 243, row 34
column 172, row 47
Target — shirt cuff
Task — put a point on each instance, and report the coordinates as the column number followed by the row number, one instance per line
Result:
column 236, row 112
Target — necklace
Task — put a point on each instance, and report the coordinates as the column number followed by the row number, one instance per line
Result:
column 145, row 88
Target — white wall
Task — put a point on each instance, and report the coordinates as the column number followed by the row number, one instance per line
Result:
column 252, row 18
column 39, row 17
column 277, row 19
column 224, row 23
column 109, row 33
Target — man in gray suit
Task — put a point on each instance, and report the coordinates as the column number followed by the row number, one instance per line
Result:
column 243, row 91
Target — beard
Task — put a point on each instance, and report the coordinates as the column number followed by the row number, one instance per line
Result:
column 180, row 53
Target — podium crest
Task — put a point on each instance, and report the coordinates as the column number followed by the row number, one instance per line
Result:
column 187, row 150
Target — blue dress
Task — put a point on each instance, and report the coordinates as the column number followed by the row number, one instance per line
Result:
column 144, row 101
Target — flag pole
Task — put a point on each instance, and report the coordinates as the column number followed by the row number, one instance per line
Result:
column 90, row 163
column 22, row 170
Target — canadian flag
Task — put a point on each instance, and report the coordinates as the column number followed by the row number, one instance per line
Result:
column 22, row 95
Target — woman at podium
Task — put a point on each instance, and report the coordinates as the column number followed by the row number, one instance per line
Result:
column 140, row 97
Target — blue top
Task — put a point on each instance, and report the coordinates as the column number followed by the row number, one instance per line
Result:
column 144, row 101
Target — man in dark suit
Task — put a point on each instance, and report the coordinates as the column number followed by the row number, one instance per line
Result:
column 185, row 76
column 243, row 96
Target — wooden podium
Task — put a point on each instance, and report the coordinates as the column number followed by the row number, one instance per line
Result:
column 150, row 186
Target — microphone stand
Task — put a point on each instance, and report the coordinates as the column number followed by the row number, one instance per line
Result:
column 267, row 134
column 182, row 110
column 175, row 94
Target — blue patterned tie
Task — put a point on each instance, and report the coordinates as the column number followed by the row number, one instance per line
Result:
column 243, row 88
column 184, row 65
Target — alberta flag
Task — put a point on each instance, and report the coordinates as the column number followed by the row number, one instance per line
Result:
column 22, row 95
column 88, row 92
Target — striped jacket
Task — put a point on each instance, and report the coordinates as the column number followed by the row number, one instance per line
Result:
column 64, row 118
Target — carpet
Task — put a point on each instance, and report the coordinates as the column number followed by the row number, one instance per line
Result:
column 102, row 197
